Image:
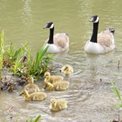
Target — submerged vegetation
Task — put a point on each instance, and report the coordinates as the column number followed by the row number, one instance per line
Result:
column 20, row 62
column 36, row 119
column 118, row 94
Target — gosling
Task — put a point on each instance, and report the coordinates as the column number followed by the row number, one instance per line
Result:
column 52, row 78
column 36, row 96
column 58, row 104
column 31, row 87
column 61, row 85
column 57, row 86
column 67, row 70
column 48, row 86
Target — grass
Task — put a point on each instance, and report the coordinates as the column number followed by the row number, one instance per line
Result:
column 17, row 59
column 118, row 94
column 20, row 61
column 37, row 65
column 36, row 119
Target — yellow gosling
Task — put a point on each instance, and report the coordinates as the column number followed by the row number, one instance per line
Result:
column 57, row 86
column 52, row 78
column 31, row 87
column 58, row 104
column 61, row 85
column 67, row 70
column 48, row 86
column 36, row 96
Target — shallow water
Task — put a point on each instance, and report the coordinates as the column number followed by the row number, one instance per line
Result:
column 89, row 97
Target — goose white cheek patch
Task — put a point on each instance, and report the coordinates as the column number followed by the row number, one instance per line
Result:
column 97, row 20
column 52, row 26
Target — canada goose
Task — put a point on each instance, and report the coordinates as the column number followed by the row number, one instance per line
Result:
column 52, row 78
column 36, row 96
column 58, row 104
column 67, row 70
column 31, row 87
column 100, row 43
column 56, row 43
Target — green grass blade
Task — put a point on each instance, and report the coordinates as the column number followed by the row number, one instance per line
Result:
column 39, row 57
column 116, row 91
column 37, row 118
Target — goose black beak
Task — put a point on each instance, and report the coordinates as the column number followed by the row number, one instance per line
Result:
column 46, row 26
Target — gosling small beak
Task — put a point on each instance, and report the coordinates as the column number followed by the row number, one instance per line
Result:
column 21, row 93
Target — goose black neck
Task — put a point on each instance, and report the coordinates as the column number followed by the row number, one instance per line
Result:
column 95, row 32
column 50, row 41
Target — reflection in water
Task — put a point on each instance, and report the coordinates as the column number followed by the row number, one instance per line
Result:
column 93, row 62
column 27, row 13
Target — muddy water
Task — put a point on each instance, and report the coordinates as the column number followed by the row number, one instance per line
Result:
column 89, row 97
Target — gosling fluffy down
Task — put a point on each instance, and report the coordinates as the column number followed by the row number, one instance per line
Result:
column 67, row 70
column 56, row 43
column 58, row 104
column 31, row 87
column 61, row 86
column 48, row 86
column 36, row 96
column 57, row 86
column 52, row 78
column 100, row 43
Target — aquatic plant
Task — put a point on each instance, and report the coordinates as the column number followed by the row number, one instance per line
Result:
column 118, row 94
column 20, row 61
column 36, row 119
column 40, row 64
column 17, row 64
column 13, row 57
column 32, row 66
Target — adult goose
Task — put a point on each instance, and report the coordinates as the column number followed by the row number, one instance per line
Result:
column 57, row 43
column 100, row 43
